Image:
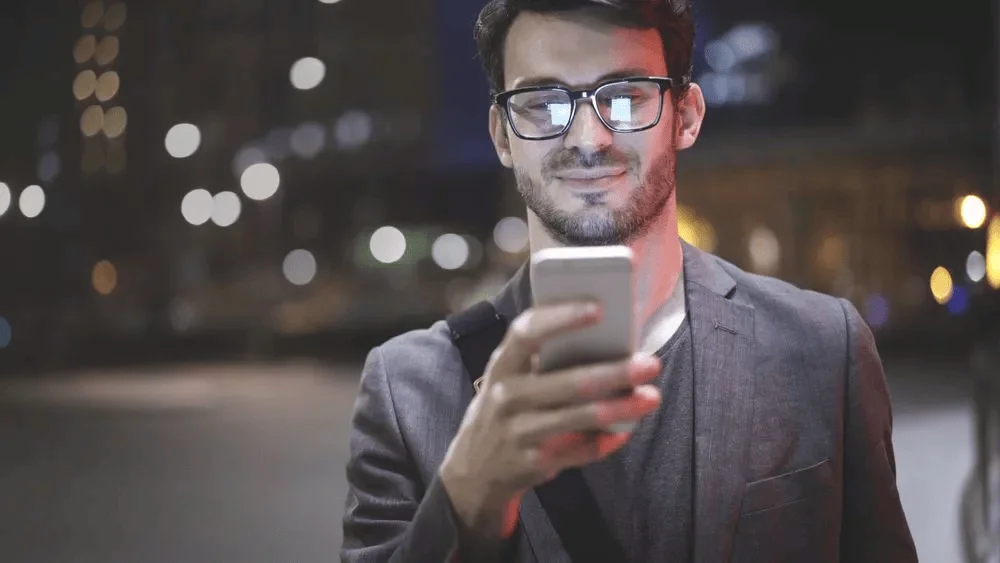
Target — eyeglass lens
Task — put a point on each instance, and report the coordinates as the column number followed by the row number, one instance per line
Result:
column 623, row 106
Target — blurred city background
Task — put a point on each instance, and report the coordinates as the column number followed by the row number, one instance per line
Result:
column 210, row 211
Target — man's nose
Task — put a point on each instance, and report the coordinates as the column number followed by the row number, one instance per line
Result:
column 587, row 132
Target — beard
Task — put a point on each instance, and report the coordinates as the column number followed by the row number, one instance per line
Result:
column 596, row 224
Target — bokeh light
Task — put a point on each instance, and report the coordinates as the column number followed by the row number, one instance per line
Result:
column 182, row 140
column 959, row 301
column 833, row 253
column 353, row 130
column 107, row 50
column 196, row 207
column 972, row 211
column 92, row 121
column 115, row 122
column 975, row 266
column 450, row 251
column 5, row 198
column 260, row 181
column 993, row 252
column 511, row 235
column 32, row 201
column 92, row 14
column 226, row 208
column 765, row 250
column 84, row 85
column 308, row 140
column 942, row 286
column 104, row 277
column 107, row 86
column 299, row 267
column 84, row 49
column 695, row 230
column 49, row 166
column 115, row 16
column 877, row 310
column 387, row 245
column 307, row 73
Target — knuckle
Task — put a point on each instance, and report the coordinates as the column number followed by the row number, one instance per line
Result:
column 518, row 433
column 500, row 394
column 520, row 330
column 533, row 460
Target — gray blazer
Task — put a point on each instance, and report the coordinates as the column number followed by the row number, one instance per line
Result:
column 793, row 434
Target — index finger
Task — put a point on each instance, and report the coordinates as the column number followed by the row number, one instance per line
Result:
column 532, row 328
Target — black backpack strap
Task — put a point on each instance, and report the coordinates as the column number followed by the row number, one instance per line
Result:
column 567, row 499
column 477, row 331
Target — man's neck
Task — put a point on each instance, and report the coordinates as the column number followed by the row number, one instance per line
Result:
column 659, row 263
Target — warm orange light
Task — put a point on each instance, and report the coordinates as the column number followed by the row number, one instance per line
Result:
column 92, row 121
column 104, row 277
column 695, row 230
column 115, row 122
column 993, row 252
column 92, row 14
column 972, row 211
column 84, row 85
column 107, row 85
column 115, row 16
column 84, row 48
column 107, row 50
column 942, row 286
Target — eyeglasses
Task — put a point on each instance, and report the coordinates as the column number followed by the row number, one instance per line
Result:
column 629, row 105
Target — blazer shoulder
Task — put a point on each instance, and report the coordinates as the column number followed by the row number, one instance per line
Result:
column 423, row 382
column 419, row 348
column 807, row 317
column 423, row 365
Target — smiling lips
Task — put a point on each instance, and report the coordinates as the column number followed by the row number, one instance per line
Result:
column 586, row 174
column 590, row 178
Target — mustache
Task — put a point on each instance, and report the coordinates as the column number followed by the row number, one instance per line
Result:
column 574, row 159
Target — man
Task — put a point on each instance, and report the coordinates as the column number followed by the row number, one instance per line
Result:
column 764, row 425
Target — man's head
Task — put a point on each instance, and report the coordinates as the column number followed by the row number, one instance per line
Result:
column 591, row 177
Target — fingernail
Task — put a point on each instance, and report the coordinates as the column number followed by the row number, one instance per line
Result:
column 640, row 368
column 645, row 361
column 649, row 394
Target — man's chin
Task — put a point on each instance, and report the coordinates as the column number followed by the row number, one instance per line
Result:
column 587, row 233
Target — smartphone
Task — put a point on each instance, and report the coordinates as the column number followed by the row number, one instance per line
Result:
column 603, row 274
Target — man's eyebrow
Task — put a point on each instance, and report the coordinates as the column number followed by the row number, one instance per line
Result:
column 550, row 81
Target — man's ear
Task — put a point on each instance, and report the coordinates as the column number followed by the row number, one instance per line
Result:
column 498, row 132
column 688, row 117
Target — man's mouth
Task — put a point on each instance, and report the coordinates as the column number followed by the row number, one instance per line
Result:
column 590, row 174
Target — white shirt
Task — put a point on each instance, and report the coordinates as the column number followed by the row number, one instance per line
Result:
column 665, row 321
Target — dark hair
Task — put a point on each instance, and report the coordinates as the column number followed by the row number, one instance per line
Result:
column 674, row 22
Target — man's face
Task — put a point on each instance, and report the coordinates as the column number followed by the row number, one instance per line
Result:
column 590, row 186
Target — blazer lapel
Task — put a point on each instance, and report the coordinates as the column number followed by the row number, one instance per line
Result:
column 723, row 335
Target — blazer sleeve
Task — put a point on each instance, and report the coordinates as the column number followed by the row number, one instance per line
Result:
column 390, row 516
column 874, row 527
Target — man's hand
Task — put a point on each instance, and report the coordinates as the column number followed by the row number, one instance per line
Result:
column 523, row 428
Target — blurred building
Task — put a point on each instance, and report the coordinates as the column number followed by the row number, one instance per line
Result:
column 176, row 171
